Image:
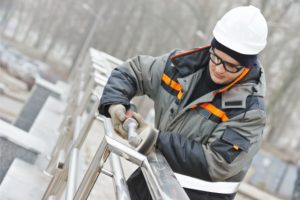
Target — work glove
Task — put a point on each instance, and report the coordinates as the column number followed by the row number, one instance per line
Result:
column 147, row 134
column 118, row 116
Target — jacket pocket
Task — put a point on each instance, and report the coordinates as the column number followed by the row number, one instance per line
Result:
column 230, row 145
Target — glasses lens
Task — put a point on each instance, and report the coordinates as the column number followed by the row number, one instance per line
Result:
column 227, row 66
column 231, row 68
column 214, row 59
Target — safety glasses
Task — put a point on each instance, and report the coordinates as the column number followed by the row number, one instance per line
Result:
column 232, row 68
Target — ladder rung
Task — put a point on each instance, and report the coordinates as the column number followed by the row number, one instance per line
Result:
column 107, row 172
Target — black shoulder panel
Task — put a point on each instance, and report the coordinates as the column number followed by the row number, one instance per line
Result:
column 252, row 103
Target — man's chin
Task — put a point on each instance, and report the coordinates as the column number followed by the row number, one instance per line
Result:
column 218, row 81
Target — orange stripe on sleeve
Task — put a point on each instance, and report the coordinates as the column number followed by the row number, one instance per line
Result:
column 173, row 84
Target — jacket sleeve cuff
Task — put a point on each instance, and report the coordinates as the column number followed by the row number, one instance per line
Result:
column 103, row 108
column 118, row 90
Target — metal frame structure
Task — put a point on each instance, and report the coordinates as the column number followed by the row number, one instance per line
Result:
column 87, row 84
column 158, row 174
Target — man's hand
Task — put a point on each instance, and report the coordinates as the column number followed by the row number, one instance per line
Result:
column 141, row 122
column 148, row 135
column 118, row 116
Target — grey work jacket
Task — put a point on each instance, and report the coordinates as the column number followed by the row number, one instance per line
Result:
column 194, row 141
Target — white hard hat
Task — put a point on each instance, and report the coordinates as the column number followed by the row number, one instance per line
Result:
column 242, row 29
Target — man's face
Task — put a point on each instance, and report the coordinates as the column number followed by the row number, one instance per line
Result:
column 218, row 73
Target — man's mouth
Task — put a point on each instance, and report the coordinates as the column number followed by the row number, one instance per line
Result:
column 218, row 76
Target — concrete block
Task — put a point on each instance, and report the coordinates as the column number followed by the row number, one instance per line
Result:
column 23, row 181
column 46, row 124
column 9, row 151
column 33, row 106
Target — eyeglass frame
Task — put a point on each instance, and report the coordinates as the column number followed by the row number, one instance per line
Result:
column 224, row 63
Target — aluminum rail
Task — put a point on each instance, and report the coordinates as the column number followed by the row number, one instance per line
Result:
column 73, row 168
column 65, row 138
column 158, row 174
column 61, row 174
column 120, row 186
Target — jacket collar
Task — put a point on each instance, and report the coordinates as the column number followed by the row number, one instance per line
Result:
column 190, row 61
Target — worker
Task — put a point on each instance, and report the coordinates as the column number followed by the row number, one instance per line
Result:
column 209, row 107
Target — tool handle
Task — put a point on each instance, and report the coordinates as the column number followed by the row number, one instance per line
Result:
column 130, row 125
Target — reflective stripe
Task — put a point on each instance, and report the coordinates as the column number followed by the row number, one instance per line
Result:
column 180, row 94
column 173, row 84
column 198, row 184
column 215, row 111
